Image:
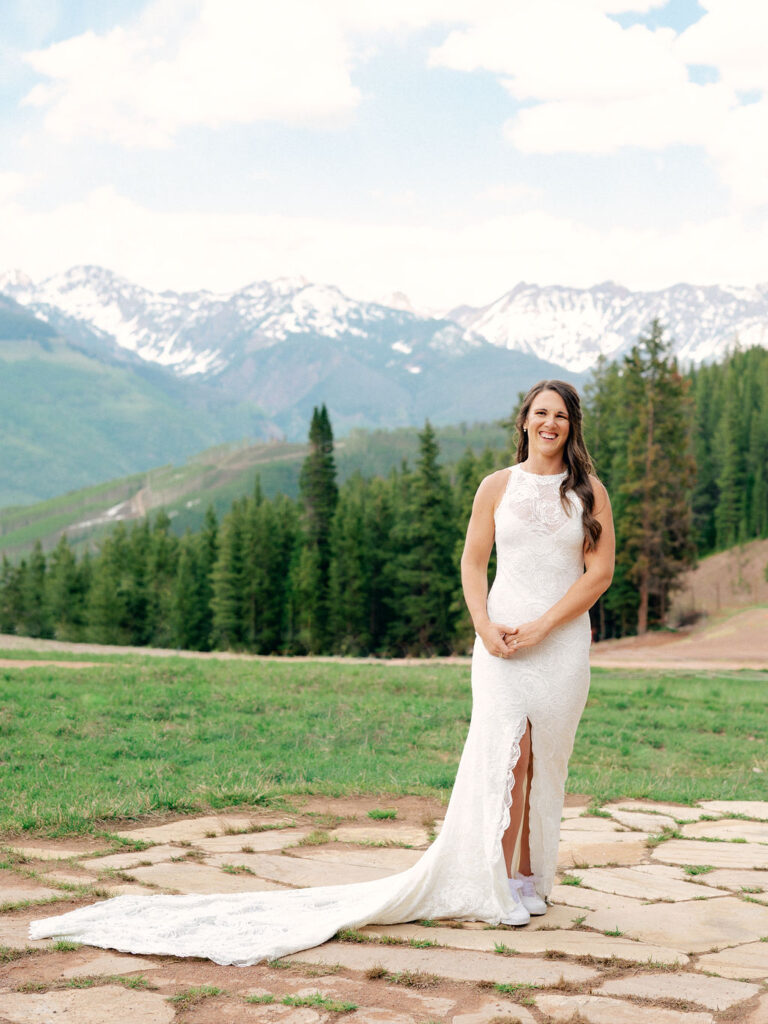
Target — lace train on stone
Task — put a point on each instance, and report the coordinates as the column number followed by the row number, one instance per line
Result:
column 462, row 875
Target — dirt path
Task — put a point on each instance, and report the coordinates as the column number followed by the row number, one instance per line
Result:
column 731, row 641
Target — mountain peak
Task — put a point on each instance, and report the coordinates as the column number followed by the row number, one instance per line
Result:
column 15, row 281
column 202, row 332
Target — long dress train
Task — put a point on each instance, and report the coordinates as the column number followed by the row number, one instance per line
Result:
column 462, row 875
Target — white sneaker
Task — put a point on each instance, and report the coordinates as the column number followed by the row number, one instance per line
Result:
column 530, row 899
column 519, row 914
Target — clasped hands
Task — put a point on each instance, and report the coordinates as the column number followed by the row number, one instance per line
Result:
column 505, row 641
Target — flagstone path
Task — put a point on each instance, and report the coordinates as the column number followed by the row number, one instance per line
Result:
column 659, row 916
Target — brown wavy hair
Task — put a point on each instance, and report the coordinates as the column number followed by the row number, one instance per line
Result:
column 577, row 460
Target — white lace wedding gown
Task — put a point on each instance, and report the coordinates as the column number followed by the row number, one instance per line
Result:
column 462, row 875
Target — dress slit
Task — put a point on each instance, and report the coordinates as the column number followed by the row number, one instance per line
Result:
column 508, row 795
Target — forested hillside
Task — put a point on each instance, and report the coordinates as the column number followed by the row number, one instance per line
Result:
column 370, row 565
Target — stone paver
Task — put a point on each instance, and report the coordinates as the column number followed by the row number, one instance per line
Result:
column 729, row 828
column 577, row 898
column 199, row 878
column 760, row 1013
column 134, row 858
column 105, row 1004
column 300, row 871
column 72, row 877
column 448, row 963
column 260, row 842
column 377, row 1015
column 572, row 812
column 272, row 1014
column 752, row 808
column 719, row 855
column 15, row 888
column 50, row 852
column 604, row 1010
column 528, row 941
column 588, row 823
column 555, row 917
column 640, row 884
column 727, row 878
column 689, row 927
column 713, row 993
column 411, row 835
column 747, row 961
column 643, row 821
column 495, row 1010
column 677, row 811
column 108, row 963
column 662, row 912
column 197, row 828
column 572, row 854
column 391, row 859
column 14, row 928
column 600, row 837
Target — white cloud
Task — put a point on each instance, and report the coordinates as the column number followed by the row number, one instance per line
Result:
column 11, row 183
column 510, row 193
column 438, row 267
column 590, row 86
column 214, row 62
column 554, row 50
column 209, row 63
column 733, row 37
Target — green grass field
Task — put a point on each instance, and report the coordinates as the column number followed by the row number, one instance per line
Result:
column 80, row 748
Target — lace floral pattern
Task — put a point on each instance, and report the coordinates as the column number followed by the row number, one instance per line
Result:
column 462, row 875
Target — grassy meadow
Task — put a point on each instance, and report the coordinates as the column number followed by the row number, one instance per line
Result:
column 81, row 748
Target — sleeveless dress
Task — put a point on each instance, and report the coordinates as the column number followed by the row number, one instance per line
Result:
column 462, row 875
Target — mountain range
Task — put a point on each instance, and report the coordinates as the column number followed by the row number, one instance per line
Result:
column 120, row 363
column 205, row 333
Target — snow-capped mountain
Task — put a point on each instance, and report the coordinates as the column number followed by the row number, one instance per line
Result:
column 573, row 326
column 208, row 334
column 203, row 332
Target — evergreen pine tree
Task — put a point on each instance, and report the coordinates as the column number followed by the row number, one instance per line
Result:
column 655, row 529
column 162, row 561
column 11, row 600
column 188, row 609
column 108, row 605
column 208, row 547
column 350, row 572
column 35, row 615
column 425, row 570
column 66, row 593
column 229, row 582
column 319, row 494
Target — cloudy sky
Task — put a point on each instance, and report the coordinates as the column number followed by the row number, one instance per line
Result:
column 444, row 148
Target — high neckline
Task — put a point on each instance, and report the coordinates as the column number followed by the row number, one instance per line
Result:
column 540, row 476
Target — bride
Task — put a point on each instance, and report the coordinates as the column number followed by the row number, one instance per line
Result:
column 496, row 855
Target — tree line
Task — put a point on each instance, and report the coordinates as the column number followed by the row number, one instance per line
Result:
column 372, row 566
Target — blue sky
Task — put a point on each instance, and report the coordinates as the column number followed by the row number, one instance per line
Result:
column 443, row 148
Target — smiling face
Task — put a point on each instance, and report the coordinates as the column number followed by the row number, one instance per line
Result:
column 548, row 424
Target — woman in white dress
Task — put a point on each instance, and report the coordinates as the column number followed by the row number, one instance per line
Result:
column 550, row 518
column 496, row 854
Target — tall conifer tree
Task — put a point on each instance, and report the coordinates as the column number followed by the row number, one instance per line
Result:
column 319, row 494
column 229, row 584
column 655, row 530
column 425, row 569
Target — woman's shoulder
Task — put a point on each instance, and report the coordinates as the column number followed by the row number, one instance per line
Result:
column 599, row 490
column 491, row 488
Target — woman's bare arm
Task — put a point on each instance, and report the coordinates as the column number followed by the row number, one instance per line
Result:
column 474, row 563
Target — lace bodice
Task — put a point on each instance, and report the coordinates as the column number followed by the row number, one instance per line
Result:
column 539, row 542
